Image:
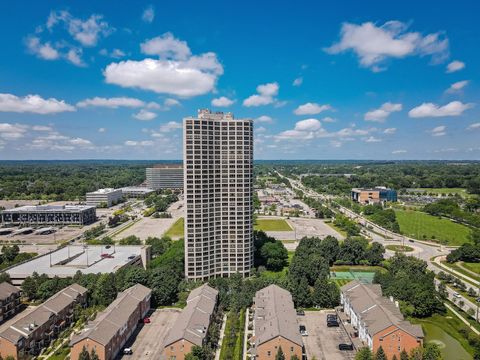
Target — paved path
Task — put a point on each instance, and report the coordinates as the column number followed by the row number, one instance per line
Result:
column 220, row 339
column 438, row 260
column 462, row 318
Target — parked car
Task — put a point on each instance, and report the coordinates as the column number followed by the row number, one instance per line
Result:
column 332, row 317
column 107, row 256
column 300, row 313
column 127, row 351
column 108, row 246
column 146, row 320
column 303, row 330
column 332, row 323
column 456, row 295
column 345, row 347
column 131, row 257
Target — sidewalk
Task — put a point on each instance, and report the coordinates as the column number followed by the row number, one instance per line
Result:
column 220, row 340
column 438, row 260
column 462, row 318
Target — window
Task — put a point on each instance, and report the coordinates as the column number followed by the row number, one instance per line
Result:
column 269, row 353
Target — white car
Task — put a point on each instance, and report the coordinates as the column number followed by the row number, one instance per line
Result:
column 127, row 351
column 456, row 295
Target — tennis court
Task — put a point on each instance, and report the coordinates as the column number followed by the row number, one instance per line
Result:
column 363, row 276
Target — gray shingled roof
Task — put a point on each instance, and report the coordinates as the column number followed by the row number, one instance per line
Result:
column 7, row 289
column 376, row 311
column 25, row 326
column 275, row 316
column 108, row 322
column 193, row 322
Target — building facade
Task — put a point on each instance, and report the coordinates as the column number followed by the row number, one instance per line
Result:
column 108, row 333
column 9, row 301
column 104, row 197
column 218, row 165
column 373, row 196
column 35, row 331
column 167, row 176
column 377, row 320
column 275, row 325
column 136, row 192
column 191, row 327
column 50, row 214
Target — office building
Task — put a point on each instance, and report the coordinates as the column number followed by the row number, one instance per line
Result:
column 92, row 259
column 50, row 214
column 218, row 161
column 28, row 335
column 275, row 325
column 104, row 197
column 136, row 192
column 375, row 195
column 191, row 327
column 377, row 321
column 9, row 301
column 165, row 176
column 108, row 333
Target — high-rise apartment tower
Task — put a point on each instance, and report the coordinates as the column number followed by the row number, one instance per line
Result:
column 218, row 165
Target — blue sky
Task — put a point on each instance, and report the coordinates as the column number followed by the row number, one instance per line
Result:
column 322, row 80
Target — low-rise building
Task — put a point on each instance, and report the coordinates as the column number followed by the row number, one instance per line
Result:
column 9, row 300
column 28, row 335
column 377, row 320
column 165, row 176
column 375, row 195
column 191, row 327
column 108, row 333
column 91, row 259
column 49, row 214
column 275, row 324
column 104, row 197
column 136, row 192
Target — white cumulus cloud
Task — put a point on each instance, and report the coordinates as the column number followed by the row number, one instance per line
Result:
column 166, row 46
column 33, row 104
column 222, row 101
column 44, row 51
column 374, row 44
column 145, row 115
column 264, row 119
column 474, row 126
column 148, row 14
column 454, row 66
column 298, row 81
column 381, row 114
column 114, row 102
column 265, row 95
column 311, row 109
column 457, row 86
column 438, row 131
column 454, row 108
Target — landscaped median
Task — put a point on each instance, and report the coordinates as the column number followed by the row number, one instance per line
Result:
column 176, row 230
column 399, row 248
column 232, row 343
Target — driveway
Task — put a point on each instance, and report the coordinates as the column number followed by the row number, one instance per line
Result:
column 147, row 341
column 322, row 341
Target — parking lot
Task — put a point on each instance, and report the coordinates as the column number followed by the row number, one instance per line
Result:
column 322, row 341
column 147, row 341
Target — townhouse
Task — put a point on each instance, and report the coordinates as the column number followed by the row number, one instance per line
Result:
column 192, row 325
column 275, row 324
column 377, row 320
column 28, row 335
column 108, row 333
column 9, row 300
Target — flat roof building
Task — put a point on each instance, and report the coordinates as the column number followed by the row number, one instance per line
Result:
column 108, row 333
column 377, row 320
column 218, row 192
column 136, row 191
column 104, row 197
column 9, row 300
column 192, row 325
column 375, row 195
column 165, row 176
column 275, row 324
column 28, row 335
column 89, row 259
column 49, row 214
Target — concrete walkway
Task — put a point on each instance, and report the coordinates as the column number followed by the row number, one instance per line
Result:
column 462, row 318
column 438, row 260
column 220, row 339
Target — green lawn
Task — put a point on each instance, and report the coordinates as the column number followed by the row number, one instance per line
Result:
column 416, row 224
column 336, row 228
column 176, row 230
column 272, row 225
column 443, row 331
column 399, row 248
column 475, row 267
column 460, row 191
column 456, row 267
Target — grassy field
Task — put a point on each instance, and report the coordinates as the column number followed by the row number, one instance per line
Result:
column 456, row 267
column 176, row 230
column 475, row 267
column 443, row 331
column 399, row 248
column 416, row 224
column 460, row 191
column 336, row 228
column 272, row 225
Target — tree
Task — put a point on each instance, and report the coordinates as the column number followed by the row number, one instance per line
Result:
column 294, row 357
column 325, row 294
column 10, row 252
column 84, row 355
column 301, row 293
column 5, row 277
column 330, row 249
column 364, row 354
column 431, row 352
column 159, row 245
column 374, row 254
column 105, row 290
column 131, row 240
column 280, row 355
column 93, row 355
column 403, row 355
column 29, row 287
column 164, row 281
column 275, row 254
column 380, row 355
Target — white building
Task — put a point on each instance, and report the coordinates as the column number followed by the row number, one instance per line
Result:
column 107, row 196
column 136, row 191
column 218, row 163
column 165, row 176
